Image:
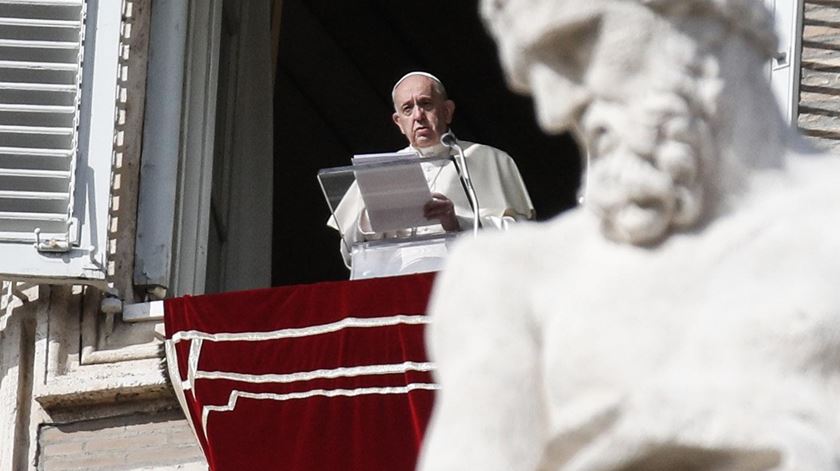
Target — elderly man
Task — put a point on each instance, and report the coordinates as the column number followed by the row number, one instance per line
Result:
column 423, row 113
column 688, row 318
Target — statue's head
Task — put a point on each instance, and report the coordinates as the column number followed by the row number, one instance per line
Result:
column 639, row 80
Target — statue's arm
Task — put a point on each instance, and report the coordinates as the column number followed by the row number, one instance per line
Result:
column 489, row 413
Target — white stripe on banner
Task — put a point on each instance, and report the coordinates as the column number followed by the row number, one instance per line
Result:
column 178, row 385
column 348, row 322
column 198, row 337
column 192, row 361
column 341, row 372
column 235, row 395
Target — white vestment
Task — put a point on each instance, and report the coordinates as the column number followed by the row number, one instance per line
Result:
column 499, row 188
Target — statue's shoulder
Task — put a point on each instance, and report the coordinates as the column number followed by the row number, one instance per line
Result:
column 495, row 269
column 528, row 247
column 810, row 195
column 816, row 176
column 788, row 216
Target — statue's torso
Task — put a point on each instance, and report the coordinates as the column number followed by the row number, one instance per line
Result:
column 728, row 337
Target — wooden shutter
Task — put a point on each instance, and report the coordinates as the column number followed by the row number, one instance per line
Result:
column 40, row 77
column 59, row 68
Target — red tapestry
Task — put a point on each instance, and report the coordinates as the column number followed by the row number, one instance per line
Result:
column 330, row 376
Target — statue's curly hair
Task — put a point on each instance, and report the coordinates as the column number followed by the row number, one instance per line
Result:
column 521, row 25
column 752, row 17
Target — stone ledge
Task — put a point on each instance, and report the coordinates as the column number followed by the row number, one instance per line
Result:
column 95, row 384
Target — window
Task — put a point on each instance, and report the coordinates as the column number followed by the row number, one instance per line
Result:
column 58, row 87
column 784, row 68
column 204, row 215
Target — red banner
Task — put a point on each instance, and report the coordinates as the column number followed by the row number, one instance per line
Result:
column 329, row 376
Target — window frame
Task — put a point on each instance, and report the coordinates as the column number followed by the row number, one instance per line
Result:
column 785, row 69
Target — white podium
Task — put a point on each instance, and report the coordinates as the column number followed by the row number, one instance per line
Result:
column 394, row 190
column 392, row 257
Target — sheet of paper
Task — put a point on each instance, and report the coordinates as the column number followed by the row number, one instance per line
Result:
column 382, row 157
column 394, row 196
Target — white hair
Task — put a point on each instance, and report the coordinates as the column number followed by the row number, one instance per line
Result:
column 520, row 25
column 750, row 17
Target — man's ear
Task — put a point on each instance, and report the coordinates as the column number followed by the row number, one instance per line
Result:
column 396, row 118
column 449, row 106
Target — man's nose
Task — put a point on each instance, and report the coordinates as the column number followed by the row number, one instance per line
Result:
column 418, row 113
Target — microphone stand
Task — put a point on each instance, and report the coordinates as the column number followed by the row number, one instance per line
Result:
column 448, row 139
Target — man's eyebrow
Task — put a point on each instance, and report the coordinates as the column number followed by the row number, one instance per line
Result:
column 410, row 101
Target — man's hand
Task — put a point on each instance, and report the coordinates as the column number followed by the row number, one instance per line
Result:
column 441, row 208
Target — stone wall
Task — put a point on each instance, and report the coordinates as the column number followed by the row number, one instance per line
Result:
column 138, row 441
column 82, row 390
column 81, row 386
column 819, row 101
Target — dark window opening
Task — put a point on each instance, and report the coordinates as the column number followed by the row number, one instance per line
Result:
column 337, row 63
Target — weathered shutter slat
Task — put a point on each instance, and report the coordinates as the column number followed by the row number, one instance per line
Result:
column 15, row 108
column 39, row 66
column 32, row 216
column 42, row 130
column 34, row 195
column 34, row 151
column 16, row 172
column 43, row 2
column 38, row 87
column 69, row 45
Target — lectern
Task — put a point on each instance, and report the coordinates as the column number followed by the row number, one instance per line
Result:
column 377, row 207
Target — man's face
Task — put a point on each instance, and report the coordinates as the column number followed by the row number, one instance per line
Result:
column 422, row 115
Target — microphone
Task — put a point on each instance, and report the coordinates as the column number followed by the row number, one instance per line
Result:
column 448, row 139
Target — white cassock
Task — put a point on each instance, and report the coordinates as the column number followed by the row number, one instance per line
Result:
column 499, row 188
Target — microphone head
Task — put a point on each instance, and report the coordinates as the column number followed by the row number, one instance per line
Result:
column 448, row 139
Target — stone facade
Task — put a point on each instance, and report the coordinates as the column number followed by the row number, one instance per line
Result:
column 85, row 390
column 81, row 383
column 819, row 106
column 160, row 441
column 79, row 388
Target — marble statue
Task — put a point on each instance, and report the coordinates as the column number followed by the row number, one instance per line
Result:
column 687, row 316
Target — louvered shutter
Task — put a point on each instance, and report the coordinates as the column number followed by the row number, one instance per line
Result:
column 58, row 76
